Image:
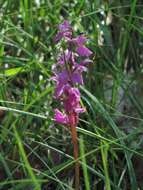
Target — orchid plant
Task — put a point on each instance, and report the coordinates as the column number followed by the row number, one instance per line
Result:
column 71, row 63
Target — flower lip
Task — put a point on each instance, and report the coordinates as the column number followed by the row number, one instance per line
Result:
column 61, row 118
column 80, row 40
column 83, row 51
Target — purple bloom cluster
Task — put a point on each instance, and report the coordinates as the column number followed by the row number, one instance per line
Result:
column 72, row 61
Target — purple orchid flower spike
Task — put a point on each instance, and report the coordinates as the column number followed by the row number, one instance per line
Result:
column 71, row 63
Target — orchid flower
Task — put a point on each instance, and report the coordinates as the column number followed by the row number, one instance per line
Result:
column 71, row 63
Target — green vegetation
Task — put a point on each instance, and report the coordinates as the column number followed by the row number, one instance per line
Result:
column 36, row 153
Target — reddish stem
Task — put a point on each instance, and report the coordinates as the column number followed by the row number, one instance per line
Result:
column 75, row 146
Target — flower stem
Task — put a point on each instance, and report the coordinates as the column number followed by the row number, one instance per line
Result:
column 75, row 146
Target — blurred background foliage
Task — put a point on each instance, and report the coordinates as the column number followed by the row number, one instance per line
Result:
column 34, row 152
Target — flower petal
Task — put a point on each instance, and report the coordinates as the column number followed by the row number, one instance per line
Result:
column 80, row 40
column 83, row 51
column 59, row 90
column 80, row 110
column 60, row 117
column 86, row 62
column 63, row 77
column 65, row 30
column 77, row 78
column 73, row 99
column 65, row 26
column 58, row 37
column 80, row 68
